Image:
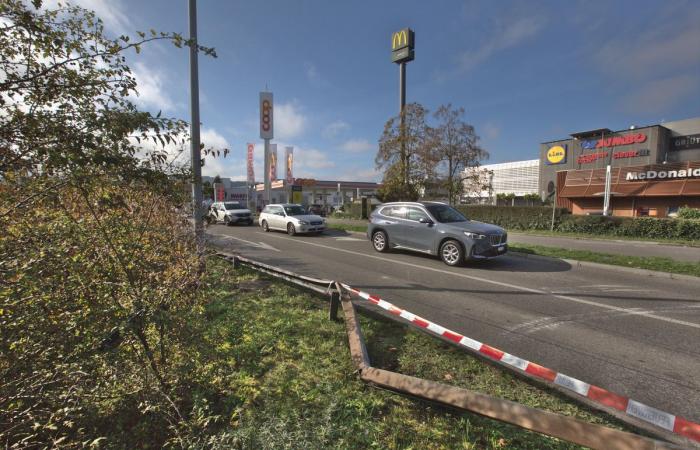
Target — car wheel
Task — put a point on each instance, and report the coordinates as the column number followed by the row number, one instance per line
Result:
column 265, row 226
column 291, row 230
column 451, row 253
column 380, row 241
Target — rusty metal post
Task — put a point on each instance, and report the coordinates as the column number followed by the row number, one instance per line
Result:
column 333, row 309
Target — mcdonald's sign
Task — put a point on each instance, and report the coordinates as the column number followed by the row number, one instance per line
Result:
column 402, row 43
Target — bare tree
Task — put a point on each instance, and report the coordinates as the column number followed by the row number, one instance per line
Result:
column 403, row 154
column 454, row 147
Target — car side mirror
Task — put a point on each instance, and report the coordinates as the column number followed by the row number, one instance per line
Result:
column 425, row 220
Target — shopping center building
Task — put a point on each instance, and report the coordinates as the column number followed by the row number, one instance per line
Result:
column 655, row 169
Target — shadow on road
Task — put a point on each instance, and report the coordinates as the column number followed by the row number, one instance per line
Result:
column 505, row 263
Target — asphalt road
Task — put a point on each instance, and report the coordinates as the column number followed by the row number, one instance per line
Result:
column 635, row 335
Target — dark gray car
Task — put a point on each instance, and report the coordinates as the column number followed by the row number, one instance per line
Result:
column 437, row 229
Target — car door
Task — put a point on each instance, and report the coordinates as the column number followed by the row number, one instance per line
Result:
column 393, row 222
column 277, row 219
column 417, row 235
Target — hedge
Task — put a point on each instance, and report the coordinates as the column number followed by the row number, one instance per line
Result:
column 540, row 218
column 514, row 217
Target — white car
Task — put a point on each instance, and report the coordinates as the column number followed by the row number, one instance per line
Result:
column 230, row 213
column 290, row 218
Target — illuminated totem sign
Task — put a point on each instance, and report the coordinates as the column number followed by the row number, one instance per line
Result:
column 266, row 116
column 402, row 43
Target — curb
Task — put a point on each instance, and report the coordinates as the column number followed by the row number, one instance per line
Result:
column 666, row 421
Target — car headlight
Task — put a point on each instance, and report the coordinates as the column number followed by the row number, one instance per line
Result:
column 474, row 235
column 303, row 222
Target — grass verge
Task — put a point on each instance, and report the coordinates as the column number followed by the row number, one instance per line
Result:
column 606, row 237
column 650, row 262
column 348, row 227
column 280, row 376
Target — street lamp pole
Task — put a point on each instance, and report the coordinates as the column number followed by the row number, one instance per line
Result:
column 195, row 152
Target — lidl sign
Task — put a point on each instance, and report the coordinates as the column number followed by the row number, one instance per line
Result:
column 556, row 155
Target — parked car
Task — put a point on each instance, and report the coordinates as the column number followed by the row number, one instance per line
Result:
column 290, row 218
column 317, row 210
column 437, row 229
column 230, row 213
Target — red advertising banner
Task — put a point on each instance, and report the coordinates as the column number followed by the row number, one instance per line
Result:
column 251, row 172
column 289, row 157
column 273, row 162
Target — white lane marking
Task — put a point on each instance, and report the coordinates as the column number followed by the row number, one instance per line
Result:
column 262, row 245
column 508, row 285
column 349, row 239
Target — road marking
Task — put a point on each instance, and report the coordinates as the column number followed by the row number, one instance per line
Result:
column 262, row 245
column 348, row 239
column 508, row 285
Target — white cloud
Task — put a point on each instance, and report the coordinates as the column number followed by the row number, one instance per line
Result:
column 289, row 121
column 333, row 129
column 660, row 95
column 215, row 165
column 312, row 72
column 150, row 87
column 491, row 130
column 505, row 35
column 110, row 11
column 358, row 146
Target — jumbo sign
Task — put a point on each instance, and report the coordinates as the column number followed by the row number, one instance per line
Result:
column 635, row 138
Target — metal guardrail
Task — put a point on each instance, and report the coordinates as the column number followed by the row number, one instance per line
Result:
column 556, row 425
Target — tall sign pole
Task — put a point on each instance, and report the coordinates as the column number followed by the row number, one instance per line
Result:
column 266, row 133
column 608, row 180
column 402, row 51
column 195, row 152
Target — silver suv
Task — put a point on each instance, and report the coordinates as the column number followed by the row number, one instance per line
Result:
column 230, row 213
column 437, row 229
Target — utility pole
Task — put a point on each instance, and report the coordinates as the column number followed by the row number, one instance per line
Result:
column 195, row 151
column 402, row 51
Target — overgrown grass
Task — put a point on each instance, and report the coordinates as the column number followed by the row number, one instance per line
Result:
column 348, row 227
column 288, row 382
column 649, row 262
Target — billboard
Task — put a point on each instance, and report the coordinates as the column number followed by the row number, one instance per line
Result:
column 249, row 158
column 289, row 162
column 266, row 116
column 273, row 162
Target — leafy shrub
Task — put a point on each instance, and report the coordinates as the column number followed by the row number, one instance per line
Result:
column 514, row 217
column 98, row 305
column 685, row 212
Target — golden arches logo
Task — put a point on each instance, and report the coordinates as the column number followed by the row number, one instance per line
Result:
column 556, row 155
column 399, row 39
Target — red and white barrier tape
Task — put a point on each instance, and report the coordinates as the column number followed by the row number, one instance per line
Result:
column 670, row 422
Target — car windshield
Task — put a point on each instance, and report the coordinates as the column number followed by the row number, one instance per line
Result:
column 233, row 205
column 446, row 214
column 294, row 210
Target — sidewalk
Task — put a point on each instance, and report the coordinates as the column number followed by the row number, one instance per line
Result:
column 616, row 247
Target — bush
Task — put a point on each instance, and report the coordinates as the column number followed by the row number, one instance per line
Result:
column 514, row 217
column 686, row 212
column 98, row 307
column 540, row 218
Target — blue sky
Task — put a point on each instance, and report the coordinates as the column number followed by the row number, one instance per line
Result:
column 526, row 72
